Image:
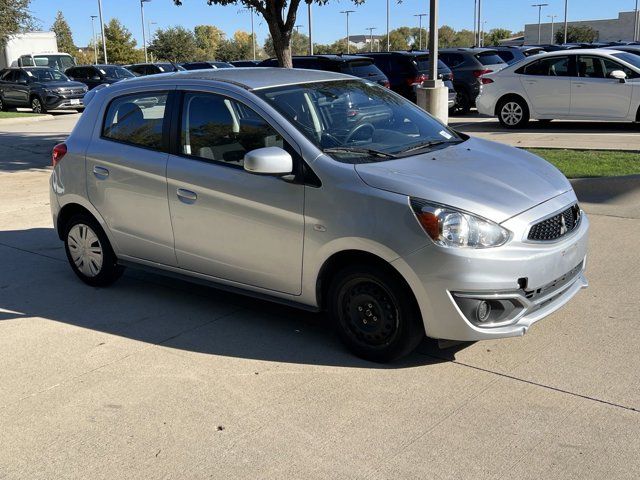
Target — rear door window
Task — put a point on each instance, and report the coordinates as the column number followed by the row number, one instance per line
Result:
column 548, row 67
column 489, row 58
column 137, row 120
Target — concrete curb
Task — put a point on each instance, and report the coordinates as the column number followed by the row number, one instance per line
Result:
column 21, row 120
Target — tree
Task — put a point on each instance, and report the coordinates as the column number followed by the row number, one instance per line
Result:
column 446, row 36
column 121, row 47
column 176, row 44
column 577, row 34
column 280, row 16
column 494, row 36
column 208, row 39
column 14, row 18
column 463, row 38
column 299, row 44
column 63, row 34
column 237, row 48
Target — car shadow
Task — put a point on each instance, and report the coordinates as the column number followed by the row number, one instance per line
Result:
column 23, row 152
column 36, row 281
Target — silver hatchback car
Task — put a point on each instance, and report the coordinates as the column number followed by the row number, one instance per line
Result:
column 322, row 191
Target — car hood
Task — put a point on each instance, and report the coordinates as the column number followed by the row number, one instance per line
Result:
column 62, row 84
column 482, row 177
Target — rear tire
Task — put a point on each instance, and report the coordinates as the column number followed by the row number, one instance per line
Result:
column 463, row 103
column 513, row 113
column 374, row 312
column 2, row 105
column 89, row 251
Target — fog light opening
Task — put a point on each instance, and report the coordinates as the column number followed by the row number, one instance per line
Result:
column 483, row 311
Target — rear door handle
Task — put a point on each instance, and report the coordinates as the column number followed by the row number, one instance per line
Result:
column 100, row 172
column 187, row 195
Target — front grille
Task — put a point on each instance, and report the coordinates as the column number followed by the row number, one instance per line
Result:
column 72, row 91
column 557, row 226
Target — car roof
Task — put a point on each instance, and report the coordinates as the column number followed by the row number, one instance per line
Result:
column 468, row 49
column 251, row 78
column 583, row 51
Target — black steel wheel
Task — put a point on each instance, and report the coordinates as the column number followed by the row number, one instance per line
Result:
column 375, row 313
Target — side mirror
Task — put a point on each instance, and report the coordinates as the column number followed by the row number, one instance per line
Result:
column 618, row 75
column 268, row 161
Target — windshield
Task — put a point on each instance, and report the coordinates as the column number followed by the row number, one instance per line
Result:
column 489, row 58
column 357, row 121
column 60, row 62
column 115, row 72
column 631, row 58
column 46, row 75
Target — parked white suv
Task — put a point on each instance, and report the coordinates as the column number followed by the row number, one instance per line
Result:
column 574, row 85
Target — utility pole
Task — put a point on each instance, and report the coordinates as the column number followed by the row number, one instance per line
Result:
column 95, row 40
column 371, row 29
column 347, row 12
column 310, row 39
column 539, row 7
column 420, row 15
column 104, row 40
column 552, row 17
column 144, row 36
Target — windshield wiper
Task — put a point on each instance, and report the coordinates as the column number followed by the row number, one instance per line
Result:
column 366, row 151
column 431, row 143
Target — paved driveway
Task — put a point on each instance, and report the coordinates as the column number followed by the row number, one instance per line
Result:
column 557, row 134
column 154, row 378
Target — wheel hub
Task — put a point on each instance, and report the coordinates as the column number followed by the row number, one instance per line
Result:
column 370, row 314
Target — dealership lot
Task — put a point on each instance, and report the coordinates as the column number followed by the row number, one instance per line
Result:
column 159, row 378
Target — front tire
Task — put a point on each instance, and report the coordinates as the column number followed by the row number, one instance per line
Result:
column 513, row 113
column 37, row 106
column 89, row 252
column 374, row 313
column 2, row 105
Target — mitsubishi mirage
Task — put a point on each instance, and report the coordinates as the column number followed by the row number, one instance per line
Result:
column 321, row 191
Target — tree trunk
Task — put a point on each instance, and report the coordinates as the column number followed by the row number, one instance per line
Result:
column 282, row 47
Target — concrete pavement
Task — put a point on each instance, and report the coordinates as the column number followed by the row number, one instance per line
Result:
column 155, row 378
column 557, row 134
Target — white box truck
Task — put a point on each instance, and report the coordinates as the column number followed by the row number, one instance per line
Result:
column 34, row 49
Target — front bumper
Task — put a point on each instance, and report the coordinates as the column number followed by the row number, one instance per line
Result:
column 64, row 102
column 539, row 278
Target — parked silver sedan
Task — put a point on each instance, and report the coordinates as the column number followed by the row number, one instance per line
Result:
column 322, row 191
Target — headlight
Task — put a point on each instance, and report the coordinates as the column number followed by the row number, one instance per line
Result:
column 449, row 227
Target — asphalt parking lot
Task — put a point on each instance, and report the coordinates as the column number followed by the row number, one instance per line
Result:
column 155, row 378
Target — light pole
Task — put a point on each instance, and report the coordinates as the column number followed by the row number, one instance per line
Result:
column 479, row 22
column 566, row 25
column 310, row 40
column 104, row 40
column 149, row 23
column 347, row 12
column 482, row 32
column 635, row 24
column 95, row 42
column 420, row 15
column 297, row 27
column 253, row 35
column 553, row 18
column 144, row 35
column 475, row 13
column 539, row 7
column 371, row 29
column 388, row 42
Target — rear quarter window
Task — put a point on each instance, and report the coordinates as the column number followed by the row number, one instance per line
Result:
column 489, row 58
column 136, row 120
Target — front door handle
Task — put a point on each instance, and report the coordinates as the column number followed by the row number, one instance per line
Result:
column 187, row 195
column 101, row 173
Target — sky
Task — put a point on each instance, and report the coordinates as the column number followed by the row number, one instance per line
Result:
column 328, row 23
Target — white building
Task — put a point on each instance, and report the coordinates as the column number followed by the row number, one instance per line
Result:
column 613, row 30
